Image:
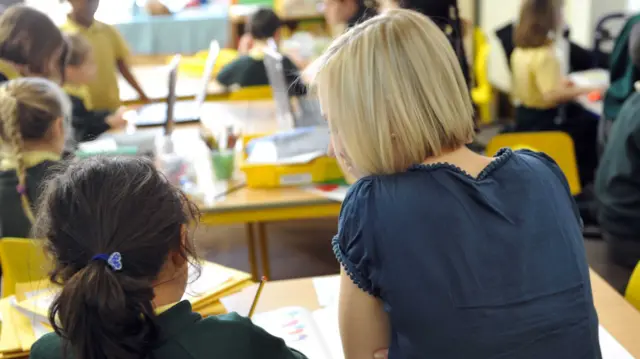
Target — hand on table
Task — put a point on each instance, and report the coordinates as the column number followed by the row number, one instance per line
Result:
column 116, row 120
column 144, row 98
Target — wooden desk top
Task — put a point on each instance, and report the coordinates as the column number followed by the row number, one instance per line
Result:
column 615, row 314
column 154, row 82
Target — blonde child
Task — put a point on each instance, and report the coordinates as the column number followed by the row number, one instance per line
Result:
column 111, row 55
column 445, row 253
column 33, row 112
column 81, row 69
column 30, row 45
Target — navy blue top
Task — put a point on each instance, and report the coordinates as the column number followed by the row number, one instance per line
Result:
column 486, row 267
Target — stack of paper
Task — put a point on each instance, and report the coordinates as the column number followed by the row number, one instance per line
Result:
column 25, row 321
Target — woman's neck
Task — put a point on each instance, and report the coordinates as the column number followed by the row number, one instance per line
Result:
column 464, row 158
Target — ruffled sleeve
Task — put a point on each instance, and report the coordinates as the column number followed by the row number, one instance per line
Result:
column 354, row 244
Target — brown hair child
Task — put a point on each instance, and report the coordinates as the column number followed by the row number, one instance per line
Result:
column 30, row 45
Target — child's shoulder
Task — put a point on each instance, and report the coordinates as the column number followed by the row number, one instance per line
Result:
column 47, row 347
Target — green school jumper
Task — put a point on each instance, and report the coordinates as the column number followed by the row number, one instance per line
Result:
column 623, row 73
column 186, row 335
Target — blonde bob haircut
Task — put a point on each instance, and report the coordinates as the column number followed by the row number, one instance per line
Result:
column 393, row 93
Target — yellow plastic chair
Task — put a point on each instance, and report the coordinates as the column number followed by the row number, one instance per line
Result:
column 632, row 293
column 22, row 260
column 252, row 93
column 557, row 145
column 482, row 93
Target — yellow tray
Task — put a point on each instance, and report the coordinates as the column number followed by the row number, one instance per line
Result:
column 193, row 66
column 322, row 169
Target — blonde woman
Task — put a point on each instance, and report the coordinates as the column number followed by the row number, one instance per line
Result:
column 445, row 253
column 33, row 112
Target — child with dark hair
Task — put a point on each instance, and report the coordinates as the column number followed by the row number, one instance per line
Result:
column 248, row 69
column 33, row 112
column 30, row 45
column 87, row 122
column 119, row 236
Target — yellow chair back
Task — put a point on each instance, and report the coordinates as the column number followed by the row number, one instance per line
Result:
column 252, row 93
column 23, row 260
column 557, row 145
column 632, row 293
column 482, row 93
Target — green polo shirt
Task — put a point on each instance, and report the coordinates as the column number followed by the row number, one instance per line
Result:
column 185, row 334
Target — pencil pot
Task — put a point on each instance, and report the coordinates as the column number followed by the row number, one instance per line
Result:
column 223, row 164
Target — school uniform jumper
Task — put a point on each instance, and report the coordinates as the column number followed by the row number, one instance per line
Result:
column 13, row 221
column 248, row 70
column 485, row 267
column 185, row 334
column 617, row 186
column 87, row 123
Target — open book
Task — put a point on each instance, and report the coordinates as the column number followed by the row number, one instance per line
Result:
column 315, row 334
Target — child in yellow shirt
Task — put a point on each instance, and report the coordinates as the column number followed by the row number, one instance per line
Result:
column 87, row 122
column 111, row 54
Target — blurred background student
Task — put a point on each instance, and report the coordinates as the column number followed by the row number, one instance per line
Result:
column 540, row 87
column 624, row 73
column 617, row 184
column 248, row 69
column 30, row 45
column 81, row 70
column 33, row 112
column 346, row 13
column 110, row 52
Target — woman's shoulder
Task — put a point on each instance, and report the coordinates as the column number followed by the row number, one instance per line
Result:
column 47, row 347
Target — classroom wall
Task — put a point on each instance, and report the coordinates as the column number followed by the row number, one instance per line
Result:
column 581, row 16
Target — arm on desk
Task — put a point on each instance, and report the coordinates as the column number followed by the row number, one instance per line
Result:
column 124, row 69
column 549, row 80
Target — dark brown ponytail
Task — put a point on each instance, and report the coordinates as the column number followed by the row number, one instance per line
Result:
column 95, row 208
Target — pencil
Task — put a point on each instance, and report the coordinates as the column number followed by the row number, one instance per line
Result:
column 255, row 299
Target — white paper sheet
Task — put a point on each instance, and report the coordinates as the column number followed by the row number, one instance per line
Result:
column 326, row 320
column 611, row 348
column 297, row 328
column 337, row 194
column 327, row 290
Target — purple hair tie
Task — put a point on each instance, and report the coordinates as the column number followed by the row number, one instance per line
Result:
column 114, row 260
column 21, row 189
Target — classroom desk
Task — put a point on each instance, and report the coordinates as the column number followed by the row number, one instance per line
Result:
column 615, row 314
column 591, row 78
column 154, row 81
column 252, row 206
column 255, row 207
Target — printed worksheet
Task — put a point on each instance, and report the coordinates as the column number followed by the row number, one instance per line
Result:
column 298, row 329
